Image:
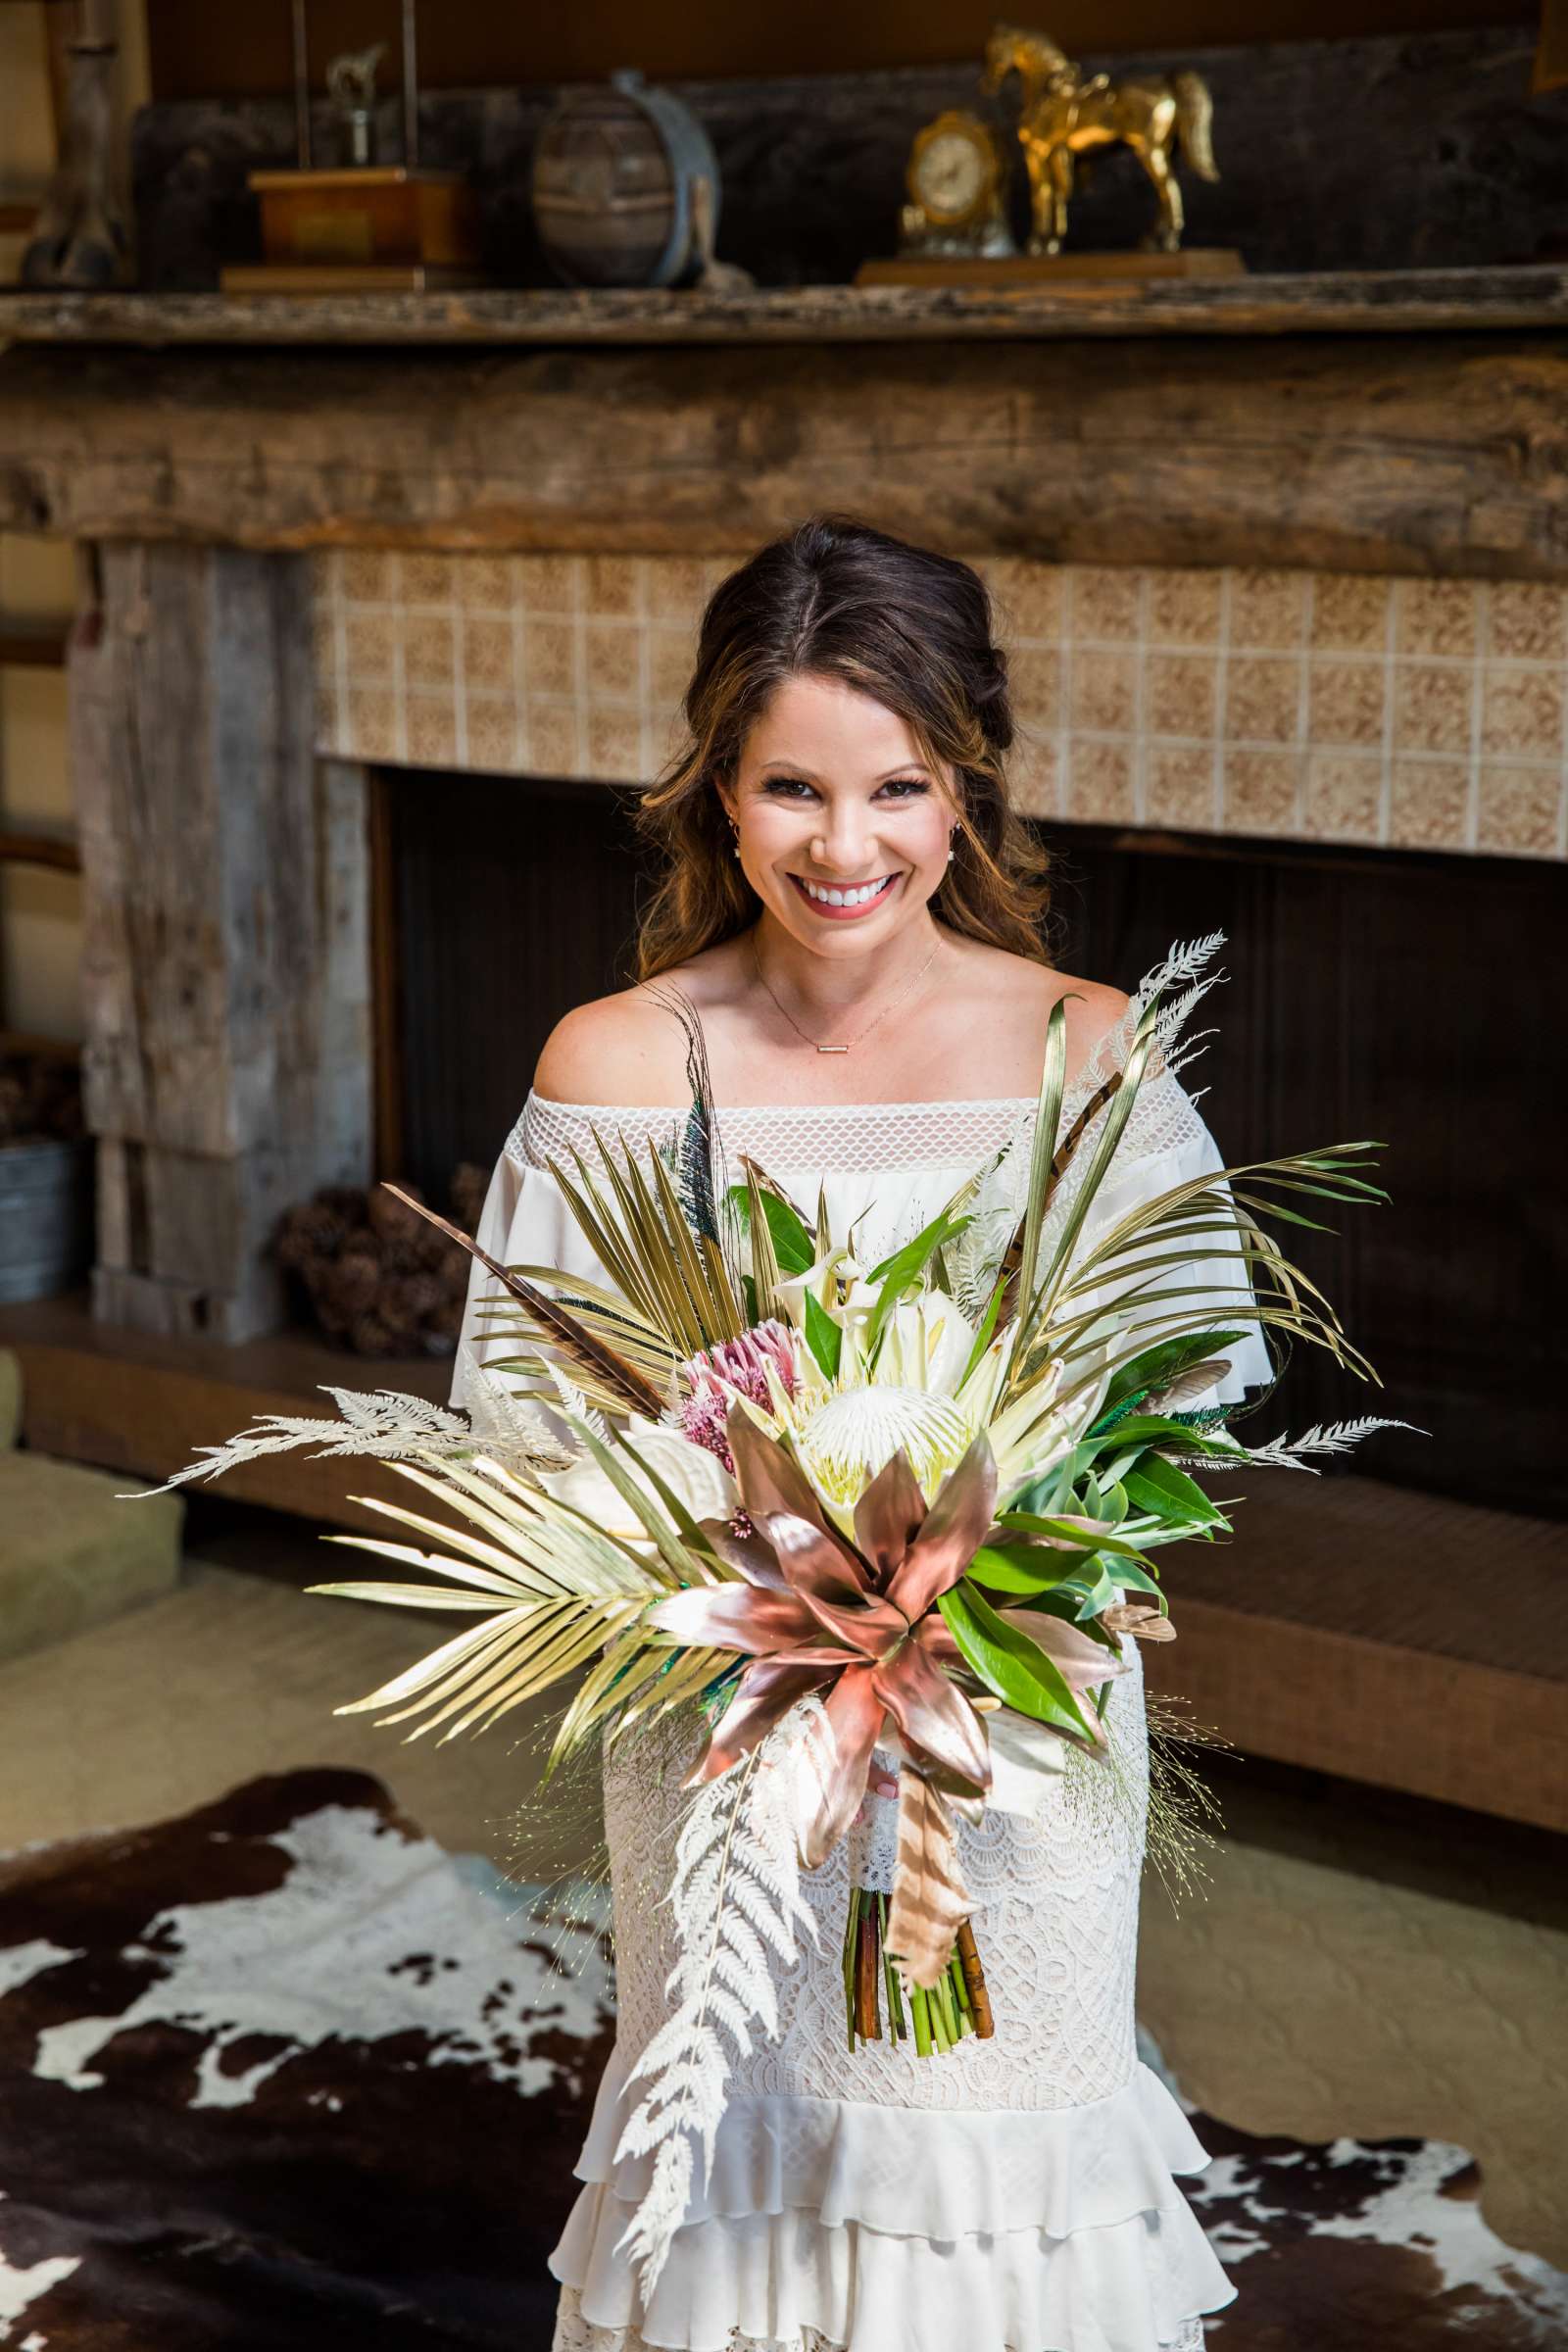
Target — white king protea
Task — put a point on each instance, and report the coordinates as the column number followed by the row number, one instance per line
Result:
column 846, row 1438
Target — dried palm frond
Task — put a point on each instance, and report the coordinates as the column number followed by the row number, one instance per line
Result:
column 554, row 1589
column 607, row 1377
column 1145, row 1251
column 498, row 1321
column 930, row 1901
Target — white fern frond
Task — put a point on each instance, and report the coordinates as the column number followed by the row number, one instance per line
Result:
column 1338, row 1437
column 506, row 1426
column 573, row 1397
column 385, row 1424
column 736, row 1882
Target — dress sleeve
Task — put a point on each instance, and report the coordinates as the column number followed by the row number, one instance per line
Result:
column 524, row 1221
column 1178, row 1147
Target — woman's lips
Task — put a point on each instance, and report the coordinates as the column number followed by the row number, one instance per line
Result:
column 844, row 914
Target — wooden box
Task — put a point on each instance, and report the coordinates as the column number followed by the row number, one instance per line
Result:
column 379, row 213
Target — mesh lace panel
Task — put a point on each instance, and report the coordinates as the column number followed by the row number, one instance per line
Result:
column 843, row 1134
column 851, row 1137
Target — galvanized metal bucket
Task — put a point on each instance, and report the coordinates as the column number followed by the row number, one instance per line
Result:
column 45, row 1218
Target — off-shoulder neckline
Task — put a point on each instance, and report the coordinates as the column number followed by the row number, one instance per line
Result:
column 815, row 1111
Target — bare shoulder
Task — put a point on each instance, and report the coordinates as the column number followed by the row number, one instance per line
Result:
column 1027, row 992
column 625, row 1048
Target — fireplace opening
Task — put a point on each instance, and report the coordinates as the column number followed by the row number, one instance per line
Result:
column 1407, row 997
column 498, row 904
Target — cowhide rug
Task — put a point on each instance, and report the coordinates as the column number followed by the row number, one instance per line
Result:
column 281, row 2074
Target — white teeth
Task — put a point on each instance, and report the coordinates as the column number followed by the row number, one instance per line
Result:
column 842, row 897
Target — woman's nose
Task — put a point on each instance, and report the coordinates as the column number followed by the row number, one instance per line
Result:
column 841, row 845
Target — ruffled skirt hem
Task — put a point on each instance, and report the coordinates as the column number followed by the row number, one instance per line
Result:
column 842, row 2225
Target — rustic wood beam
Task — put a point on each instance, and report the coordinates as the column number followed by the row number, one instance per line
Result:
column 1077, row 303
column 1439, row 455
column 225, row 973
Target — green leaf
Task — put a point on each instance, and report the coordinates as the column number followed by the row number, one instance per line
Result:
column 1023, row 1567
column 823, row 1337
column 1008, row 1662
column 793, row 1244
column 983, row 1336
column 1156, row 1367
column 1100, row 1594
column 1152, row 1429
column 897, row 1273
column 1158, row 1487
column 1080, row 1538
column 1139, row 1580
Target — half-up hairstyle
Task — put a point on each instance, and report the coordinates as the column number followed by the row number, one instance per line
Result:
column 835, row 598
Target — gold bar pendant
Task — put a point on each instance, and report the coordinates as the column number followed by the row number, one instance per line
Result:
column 832, row 1048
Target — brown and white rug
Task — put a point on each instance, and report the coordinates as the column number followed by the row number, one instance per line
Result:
column 282, row 2072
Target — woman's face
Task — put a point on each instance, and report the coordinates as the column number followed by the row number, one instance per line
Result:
column 844, row 827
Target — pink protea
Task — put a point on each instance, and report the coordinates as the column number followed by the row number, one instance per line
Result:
column 714, row 1374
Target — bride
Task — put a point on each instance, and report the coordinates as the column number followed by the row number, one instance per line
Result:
column 851, row 911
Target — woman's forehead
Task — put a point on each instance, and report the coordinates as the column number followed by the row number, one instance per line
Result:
column 827, row 721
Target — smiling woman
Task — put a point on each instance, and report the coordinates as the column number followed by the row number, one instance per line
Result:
column 837, row 848
column 850, row 913
column 792, row 646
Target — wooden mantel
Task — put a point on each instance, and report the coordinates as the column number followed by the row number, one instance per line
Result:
column 1276, row 303
column 1440, row 452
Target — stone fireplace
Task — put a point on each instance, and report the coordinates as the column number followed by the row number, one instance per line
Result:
column 1288, row 626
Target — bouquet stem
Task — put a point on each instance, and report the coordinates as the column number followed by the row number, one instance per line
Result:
column 939, row 2015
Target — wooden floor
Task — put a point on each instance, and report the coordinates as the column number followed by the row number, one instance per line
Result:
column 1351, row 1626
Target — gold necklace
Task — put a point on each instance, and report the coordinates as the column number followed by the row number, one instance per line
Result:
column 870, row 1025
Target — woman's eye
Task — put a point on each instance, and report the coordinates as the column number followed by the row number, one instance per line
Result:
column 789, row 787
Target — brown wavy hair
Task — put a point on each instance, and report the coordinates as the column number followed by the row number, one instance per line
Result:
column 835, row 598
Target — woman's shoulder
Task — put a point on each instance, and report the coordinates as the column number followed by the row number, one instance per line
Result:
column 625, row 1048
column 998, row 979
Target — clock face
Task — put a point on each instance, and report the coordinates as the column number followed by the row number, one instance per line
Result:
column 952, row 173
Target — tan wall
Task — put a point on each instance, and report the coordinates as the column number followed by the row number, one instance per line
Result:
column 40, row 919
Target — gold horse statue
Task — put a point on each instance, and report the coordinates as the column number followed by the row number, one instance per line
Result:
column 1065, row 116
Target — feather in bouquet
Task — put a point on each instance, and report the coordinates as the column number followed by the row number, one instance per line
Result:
column 823, row 1503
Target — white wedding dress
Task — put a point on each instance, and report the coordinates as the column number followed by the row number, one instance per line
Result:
column 1017, row 2193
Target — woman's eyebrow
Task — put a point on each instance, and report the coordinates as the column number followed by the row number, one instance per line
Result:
column 798, row 767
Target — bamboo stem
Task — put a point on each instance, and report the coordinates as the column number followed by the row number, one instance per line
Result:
column 867, row 2021
column 896, row 2028
column 974, row 1978
column 851, row 1934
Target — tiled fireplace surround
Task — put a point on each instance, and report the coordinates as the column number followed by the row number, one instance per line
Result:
column 1309, row 705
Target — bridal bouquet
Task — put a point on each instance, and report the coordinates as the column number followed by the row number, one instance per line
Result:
column 821, row 1504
